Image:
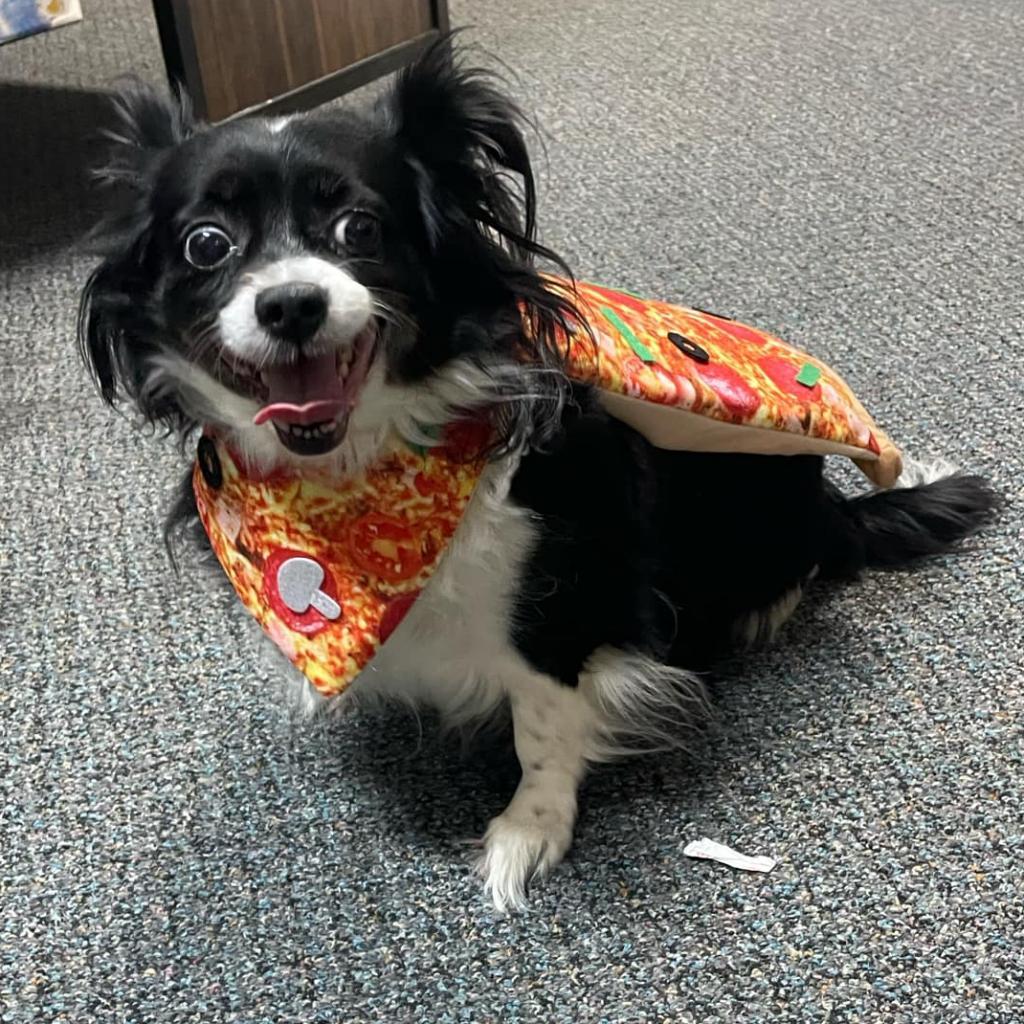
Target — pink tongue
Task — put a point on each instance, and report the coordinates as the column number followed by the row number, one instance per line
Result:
column 309, row 391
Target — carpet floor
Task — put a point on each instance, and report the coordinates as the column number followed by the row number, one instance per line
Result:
column 849, row 175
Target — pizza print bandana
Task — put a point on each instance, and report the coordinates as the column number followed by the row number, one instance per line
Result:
column 329, row 568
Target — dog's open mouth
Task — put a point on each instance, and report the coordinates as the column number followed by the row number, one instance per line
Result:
column 310, row 401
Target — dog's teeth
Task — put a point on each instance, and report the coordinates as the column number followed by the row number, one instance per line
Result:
column 312, row 431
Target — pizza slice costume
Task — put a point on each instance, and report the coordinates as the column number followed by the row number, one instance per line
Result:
column 329, row 568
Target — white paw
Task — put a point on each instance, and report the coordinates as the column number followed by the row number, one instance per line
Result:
column 520, row 846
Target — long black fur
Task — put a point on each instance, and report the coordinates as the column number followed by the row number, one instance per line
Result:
column 895, row 528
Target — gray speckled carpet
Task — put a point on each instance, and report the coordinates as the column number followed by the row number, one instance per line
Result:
column 847, row 174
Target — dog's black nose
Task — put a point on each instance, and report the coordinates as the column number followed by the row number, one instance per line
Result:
column 293, row 312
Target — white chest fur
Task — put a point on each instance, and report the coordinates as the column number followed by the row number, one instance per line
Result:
column 452, row 649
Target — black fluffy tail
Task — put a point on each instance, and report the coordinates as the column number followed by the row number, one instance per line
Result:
column 888, row 529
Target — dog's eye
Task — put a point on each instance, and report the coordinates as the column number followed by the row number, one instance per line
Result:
column 358, row 231
column 207, row 247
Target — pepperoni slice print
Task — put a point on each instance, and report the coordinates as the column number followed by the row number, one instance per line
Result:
column 385, row 547
column 396, row 610
column 784, row 374
column 735, row 394
column 742, row 332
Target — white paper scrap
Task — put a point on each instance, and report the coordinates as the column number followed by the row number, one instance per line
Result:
column 708, row 849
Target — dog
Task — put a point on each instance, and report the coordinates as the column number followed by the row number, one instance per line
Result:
column 381, row 265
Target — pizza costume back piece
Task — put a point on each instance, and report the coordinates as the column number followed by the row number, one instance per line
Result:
column 695, row 381
column 329, row 568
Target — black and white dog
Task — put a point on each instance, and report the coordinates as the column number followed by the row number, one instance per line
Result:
column 383, row 264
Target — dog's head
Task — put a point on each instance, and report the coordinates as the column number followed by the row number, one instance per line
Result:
column 309, row 284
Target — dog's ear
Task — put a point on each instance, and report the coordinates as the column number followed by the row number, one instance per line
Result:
column 112, row 317
column 147, row 123
column 115, row 337
column 463, row 140
column 105, row 314
column 463, row 143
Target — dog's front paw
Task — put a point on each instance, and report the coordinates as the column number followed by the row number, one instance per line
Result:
column 521, row 845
